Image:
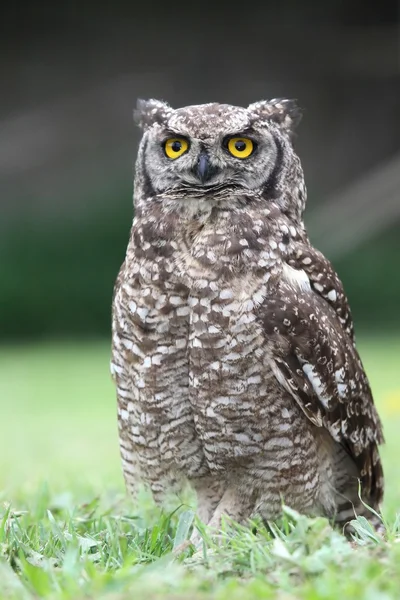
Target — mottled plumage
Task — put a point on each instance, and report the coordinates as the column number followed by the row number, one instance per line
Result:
column 233, row 347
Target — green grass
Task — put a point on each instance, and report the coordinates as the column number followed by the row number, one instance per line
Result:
column 68, row 531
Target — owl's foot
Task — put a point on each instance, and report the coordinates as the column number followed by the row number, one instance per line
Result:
column 182, row 547
column 209, row 492
column 196, row 539
column 232, row 505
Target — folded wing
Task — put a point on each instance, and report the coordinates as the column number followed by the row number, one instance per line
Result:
column 312, row 353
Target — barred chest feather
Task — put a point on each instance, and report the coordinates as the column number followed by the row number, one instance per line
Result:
column 194, row 301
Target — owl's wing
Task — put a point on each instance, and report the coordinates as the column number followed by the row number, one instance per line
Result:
column 324, row 281
column 314, row 358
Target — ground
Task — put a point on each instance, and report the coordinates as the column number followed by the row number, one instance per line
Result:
column 68, row 531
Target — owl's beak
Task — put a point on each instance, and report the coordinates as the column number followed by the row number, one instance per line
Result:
column 204, row 170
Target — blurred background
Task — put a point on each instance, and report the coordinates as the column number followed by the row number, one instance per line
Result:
column 70, row 76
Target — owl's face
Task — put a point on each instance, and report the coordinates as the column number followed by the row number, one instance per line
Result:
column 213, row 147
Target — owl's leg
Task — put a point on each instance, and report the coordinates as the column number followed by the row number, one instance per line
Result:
column 209, row 491
column 235, row 505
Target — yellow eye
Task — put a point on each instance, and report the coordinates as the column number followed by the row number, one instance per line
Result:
column 240, row 147
column 175, row 147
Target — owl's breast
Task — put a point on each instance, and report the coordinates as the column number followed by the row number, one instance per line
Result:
column 229, row 375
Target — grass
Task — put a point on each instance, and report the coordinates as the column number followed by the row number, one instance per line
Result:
column 68, row 531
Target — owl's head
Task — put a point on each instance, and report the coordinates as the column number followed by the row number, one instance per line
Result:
column 213, row 150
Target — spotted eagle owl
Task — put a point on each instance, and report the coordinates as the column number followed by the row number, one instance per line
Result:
column 233, row 354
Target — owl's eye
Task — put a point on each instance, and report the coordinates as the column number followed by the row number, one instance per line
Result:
column 175, row 147
column 240, row 147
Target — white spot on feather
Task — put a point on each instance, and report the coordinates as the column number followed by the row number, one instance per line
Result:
column 213, row 329
column 210, row 411
column 258, row 297
column 142, row 312
column 163, row 349
column 202, row 283
column 254, row 379
column 232, row 356
column 316, row 383
column 226, row 294
column 123, row 414
column 147, row 362
column 296, row 277
column 339, row 375
column 127, row 343
column 115, row 369
column 332, row 296
column 223, row 400
column 248, row 305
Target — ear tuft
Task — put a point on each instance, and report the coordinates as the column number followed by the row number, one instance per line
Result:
column 281, row 111
column 149, row 112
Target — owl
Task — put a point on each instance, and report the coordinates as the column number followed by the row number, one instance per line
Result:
column 233, row 351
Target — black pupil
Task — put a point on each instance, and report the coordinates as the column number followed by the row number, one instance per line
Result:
column 176, row 146
column 240, row 146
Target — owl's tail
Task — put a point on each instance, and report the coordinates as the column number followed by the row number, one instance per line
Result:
column 359, row 496
column 349, row 512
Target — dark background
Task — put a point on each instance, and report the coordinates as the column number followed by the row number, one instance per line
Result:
column 70, row 76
